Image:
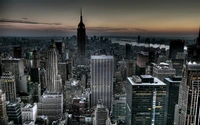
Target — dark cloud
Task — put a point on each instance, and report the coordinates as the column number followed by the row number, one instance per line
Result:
column 24, row 18
column 25, row 21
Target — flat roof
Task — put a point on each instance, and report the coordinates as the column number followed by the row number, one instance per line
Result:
column 157, row 82
column 170, row 80
column 101, row 57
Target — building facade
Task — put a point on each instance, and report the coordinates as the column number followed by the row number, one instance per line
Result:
column 8, row 86
column 3, row 112
column 29, row 112
column 102, row 70
column 187, row 110
column 54, row 82
column 14, row 112
column 163, row 70
column 51, row 105
column 146, row 101
column 173, row 84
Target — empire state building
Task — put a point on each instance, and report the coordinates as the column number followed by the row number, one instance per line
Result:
column 81, row 38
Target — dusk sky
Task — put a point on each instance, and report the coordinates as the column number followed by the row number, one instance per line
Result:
column 101, row 17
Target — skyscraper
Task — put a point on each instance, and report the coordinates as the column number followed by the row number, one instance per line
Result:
column 17, row 52
column 173, row 90
column 81, row 37
column 146, row 101
column 194, row 50
column 101, row 115
column 3, row 113
column 53, row 79
column 36, row 59
column 187, row 110
column 8, row 86
column 16, row 66
column 175, row 47
column 102, row 68
column 14, row 112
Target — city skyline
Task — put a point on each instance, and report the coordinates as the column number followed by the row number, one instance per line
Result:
column 129, row 18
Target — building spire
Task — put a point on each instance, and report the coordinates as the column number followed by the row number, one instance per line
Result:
column 81, row 15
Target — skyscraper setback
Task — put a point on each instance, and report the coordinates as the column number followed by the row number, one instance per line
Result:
column 187, row 110
column 102, row 68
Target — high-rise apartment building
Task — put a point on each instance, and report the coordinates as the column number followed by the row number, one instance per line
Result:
column 8, row 86
column 187, row 110
column 146, row 101
column 54, row 82
column 102, row 69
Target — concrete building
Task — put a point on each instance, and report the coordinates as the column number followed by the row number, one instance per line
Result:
column 29, row 112
column 54, row 81
column 173, row 84
column 146, row 101
column 3, row 113
column 8, row 86
column 187, row 110
column 142, row 60
column 51, row 105
column 14, row 112
column 101, row 115
column 102, row 71
column 16, row 66
column 163, row 70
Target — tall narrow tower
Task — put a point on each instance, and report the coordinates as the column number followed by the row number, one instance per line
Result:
column 53, row 79
column 81, row 37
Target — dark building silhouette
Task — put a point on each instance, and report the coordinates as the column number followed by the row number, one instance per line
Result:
column 128, row 51
column 176, row 54
column 173, row 92
column 81, row 37
column 17, row 52
column 36, row 59
column 35, row 75
column 176, row 47
column 194, row 50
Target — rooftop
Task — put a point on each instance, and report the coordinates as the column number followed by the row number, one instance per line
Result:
column 156, row 82
column 101, row 57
